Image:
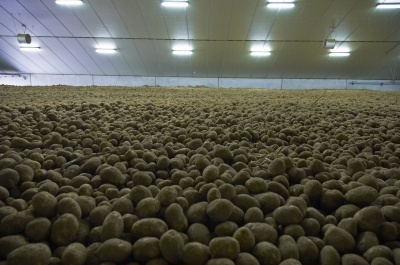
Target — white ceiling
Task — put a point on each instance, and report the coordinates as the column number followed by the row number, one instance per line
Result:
column 221, row 33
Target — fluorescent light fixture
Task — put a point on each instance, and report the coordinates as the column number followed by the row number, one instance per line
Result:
column 25, row 48
column 388, row 5
column 339, row 54
column 174, row 4
column 182, row 52
column 280, row 5
column 69, row 2
column 260, row 53
column 105, row 50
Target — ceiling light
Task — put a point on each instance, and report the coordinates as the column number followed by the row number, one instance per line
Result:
column 69, row 2
column 174, row 4
column 260, row 53
column 388, row 5
column 182, row 52
column 339, row 54
column 105, row 50
column 280, row 5
column 29, row 48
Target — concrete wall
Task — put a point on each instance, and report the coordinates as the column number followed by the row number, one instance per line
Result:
column 88, row 80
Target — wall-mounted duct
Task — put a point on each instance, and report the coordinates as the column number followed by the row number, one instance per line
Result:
column 390, row 83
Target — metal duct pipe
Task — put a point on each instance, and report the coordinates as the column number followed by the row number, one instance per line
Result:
column 24, row 38
column 329, row 43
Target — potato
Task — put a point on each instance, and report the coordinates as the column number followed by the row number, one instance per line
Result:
column 245, row 201
column 349, row 259
column 74, row 254
column 246, row 239
column 308, row 251
column 114, row 250
column 36, row 253
column 147, row 208
column 369, row 218
column 219, row 210
column 139, row 193
column 146, row 248
column 378, row 251
column 175, row 218
column 210, row 173
column 263, row 232
column 167, row 195
column 223, row 152
column 9, row 243
column 113, row 226
column 246, row 259
column 340, row 239
column 253, row 215
column 224, row 247
column 171, row 246
column 226, row 228
column 256, row 185
column 44, row 204
column 123, row 205
column 64, row 229
column 149, row 227
column 268, row 201
column 15, row 223
column 310, row 226
column 38, row 229
column 288, row 248
column 69, row 205
column 195, row 253
column 227, row 191
column 99, row 214
column 197, row 213
column 277, row 167
column 329, row 256
column 199, row 233
column 267, row 253
column 350, row 225
column 361, row 196
column 287, row 214
column 112, row 175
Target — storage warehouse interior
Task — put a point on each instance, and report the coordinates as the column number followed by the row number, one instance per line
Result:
column 237, row 132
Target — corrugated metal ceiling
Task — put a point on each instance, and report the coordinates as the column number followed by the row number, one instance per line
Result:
column 221, row 33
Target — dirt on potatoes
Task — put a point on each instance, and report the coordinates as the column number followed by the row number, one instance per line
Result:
column 152, row 175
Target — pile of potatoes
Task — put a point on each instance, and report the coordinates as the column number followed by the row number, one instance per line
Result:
column 158, row 176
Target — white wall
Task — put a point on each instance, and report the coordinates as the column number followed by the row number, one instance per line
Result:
column 70, row 80
column 16, row 80
column 376, row 84
column 250, row 83
column 314, row 83
column 88, row 80
column 186, row 81
column 123, row 81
